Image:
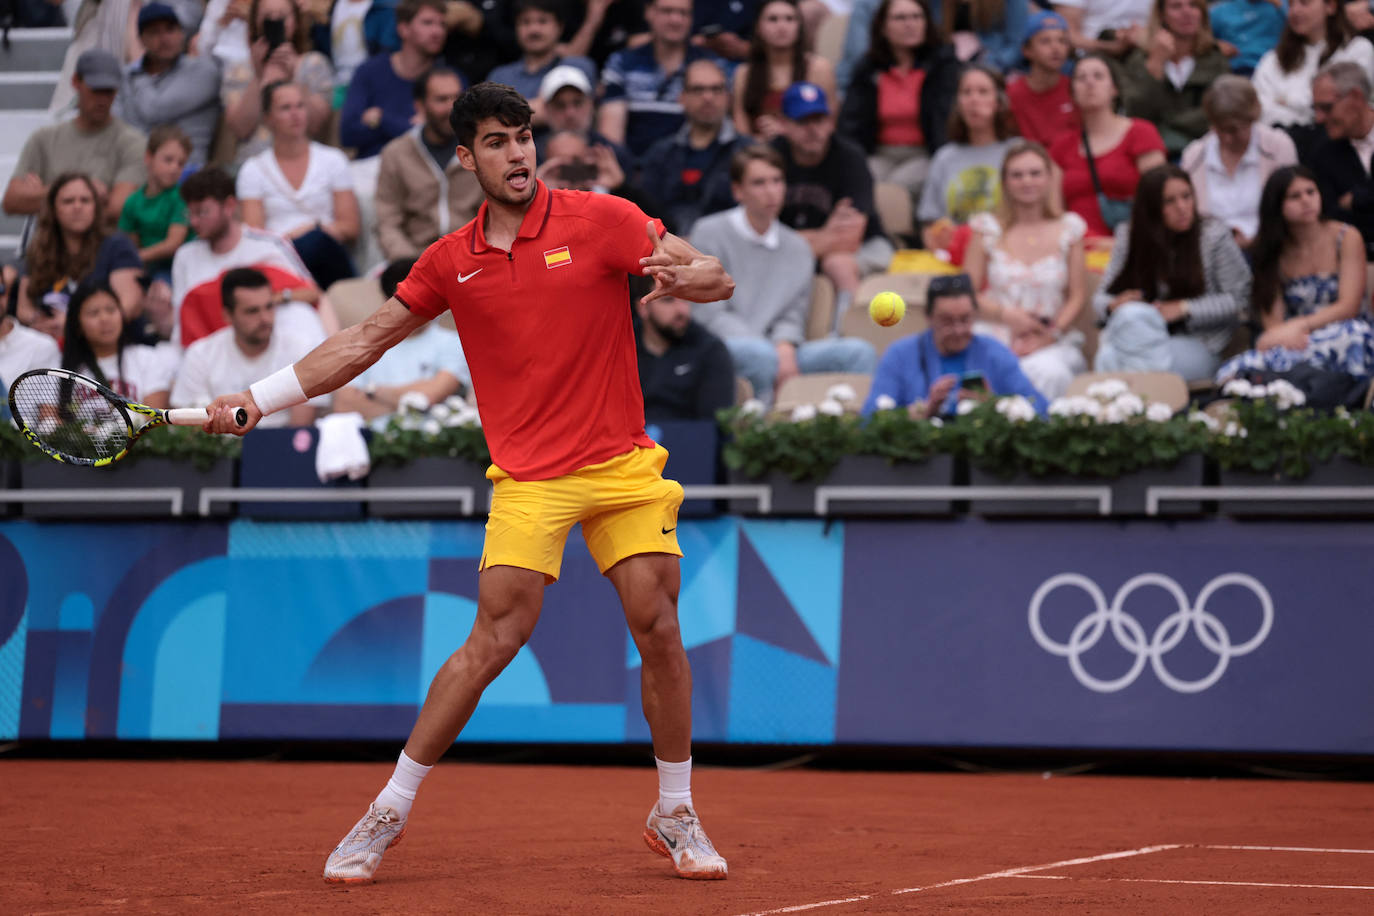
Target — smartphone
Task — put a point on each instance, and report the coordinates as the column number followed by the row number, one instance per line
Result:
column 973, row 381
column 274, row 30
column 578, row 173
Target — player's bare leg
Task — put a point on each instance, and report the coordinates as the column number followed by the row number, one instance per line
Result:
column 648, row 587
column 508, row 604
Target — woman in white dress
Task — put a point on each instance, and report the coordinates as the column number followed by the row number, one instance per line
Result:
column 1026, row 259
column 300, row 189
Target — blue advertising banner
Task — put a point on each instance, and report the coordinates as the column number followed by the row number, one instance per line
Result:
column 1207, row 635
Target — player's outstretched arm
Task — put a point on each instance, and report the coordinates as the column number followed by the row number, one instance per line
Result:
column 331, row 365
column 681, row 271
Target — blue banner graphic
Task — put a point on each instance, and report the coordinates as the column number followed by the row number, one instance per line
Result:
column 1188, row 635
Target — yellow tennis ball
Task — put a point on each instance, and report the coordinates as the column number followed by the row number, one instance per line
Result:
column 887, row 309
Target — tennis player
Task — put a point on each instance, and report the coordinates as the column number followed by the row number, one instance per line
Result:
column 537, row 284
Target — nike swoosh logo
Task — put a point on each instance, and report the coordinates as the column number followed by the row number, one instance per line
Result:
column 670, row 530
column 672, row 843
column 463, row 279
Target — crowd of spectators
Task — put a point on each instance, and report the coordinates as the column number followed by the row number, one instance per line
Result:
column 214, row 168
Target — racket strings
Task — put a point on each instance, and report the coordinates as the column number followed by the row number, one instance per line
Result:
column 70, row 417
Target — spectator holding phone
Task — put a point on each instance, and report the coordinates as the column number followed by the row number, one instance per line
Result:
column 278, row 52
column 931, row 372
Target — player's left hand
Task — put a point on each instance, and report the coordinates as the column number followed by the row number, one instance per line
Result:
column 660, row 265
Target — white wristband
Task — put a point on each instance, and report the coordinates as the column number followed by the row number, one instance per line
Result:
column 278, row 391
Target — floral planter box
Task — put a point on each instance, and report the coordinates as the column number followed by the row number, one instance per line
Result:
column 875, row 471
column 429, row 472
column 1340, row 472
column 791, row 497
column 140, row 473
column 1128, row 491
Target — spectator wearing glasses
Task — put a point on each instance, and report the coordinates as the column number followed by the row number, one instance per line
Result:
column 688, row 174
column 641, row 85
column 1341, row 159
column 931, row 372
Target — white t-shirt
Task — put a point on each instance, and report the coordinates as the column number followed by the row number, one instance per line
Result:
column 1100, row 15
column 347, row 47
column 146, row 371
column 196, row 271
column 285, row 208
column 215, row 365
column 23, row 349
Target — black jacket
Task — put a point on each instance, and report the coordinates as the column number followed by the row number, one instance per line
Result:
column 693, row 380
column 1339, row 173
column 859, row 115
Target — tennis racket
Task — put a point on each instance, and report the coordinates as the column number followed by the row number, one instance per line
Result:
column 77, row 420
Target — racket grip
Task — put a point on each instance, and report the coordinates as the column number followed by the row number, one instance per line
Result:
column 197, row 416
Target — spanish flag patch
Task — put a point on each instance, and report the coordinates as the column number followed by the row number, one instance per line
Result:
column 557, row 257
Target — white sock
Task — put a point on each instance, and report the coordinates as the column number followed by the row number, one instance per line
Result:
column 400, row 789
column 674, row 785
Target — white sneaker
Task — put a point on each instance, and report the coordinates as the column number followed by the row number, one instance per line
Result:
column 355, row 859
column 679, row 836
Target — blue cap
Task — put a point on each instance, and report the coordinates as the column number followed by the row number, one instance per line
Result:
column 1045, row 19
column 156, row 12
column 802, row 100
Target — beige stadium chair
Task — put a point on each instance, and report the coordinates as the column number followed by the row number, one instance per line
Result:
column 811, row 389
column 894, row 209
column 820, row 320
column 1152, row 386
column 830, row 40
column 355, row 299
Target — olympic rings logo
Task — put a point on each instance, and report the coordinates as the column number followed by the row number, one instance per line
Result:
column 1131, row 635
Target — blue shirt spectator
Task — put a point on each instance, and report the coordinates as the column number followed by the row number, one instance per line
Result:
column 932, row 368
column 538, row 28
column 1253, row 26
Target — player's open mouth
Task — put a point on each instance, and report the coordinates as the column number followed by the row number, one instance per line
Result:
column 519, row 179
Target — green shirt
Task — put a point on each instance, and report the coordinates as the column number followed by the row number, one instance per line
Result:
column 147, row 220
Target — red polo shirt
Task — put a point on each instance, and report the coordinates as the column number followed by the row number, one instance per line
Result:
column 546, row 329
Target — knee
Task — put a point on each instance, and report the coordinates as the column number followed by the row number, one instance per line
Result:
column 858, row 354
column 658, row 635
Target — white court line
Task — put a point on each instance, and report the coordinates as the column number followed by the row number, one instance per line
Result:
column 1329, row 887
column 1006, row 873
column 1367, row 852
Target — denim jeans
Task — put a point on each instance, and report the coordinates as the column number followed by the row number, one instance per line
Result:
column 757, row 359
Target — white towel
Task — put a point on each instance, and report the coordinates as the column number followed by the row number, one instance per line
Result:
column 341, row 449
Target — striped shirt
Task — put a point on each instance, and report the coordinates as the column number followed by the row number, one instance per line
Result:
column 635, row 77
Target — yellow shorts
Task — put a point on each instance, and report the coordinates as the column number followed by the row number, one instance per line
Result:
column 625, row 506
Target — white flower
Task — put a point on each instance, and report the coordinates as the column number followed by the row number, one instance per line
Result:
column 1205, row 419
column 752, row 408
column 1158, row 412
column 966, row 406
column 455, row 402
column 1286, row 395
column 936, row 422
column 803, row 412
column 1114, row 413
column 1130, row 404
column 1108, row 389
column 1234, row 430
column 885, row 402
column 831, row 408
column 842, row 393
column 1062, row 407
column 1016, row 408
column 1238, row 387
column 413, row 401
column 1074, row 406
column 431, row 428
column 440, row 412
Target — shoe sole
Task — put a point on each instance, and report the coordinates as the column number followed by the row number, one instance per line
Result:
column 368, row 880
column 654, row 842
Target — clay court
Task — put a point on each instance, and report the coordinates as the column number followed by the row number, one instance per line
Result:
column 172, row 837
